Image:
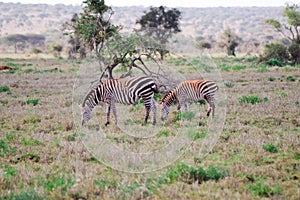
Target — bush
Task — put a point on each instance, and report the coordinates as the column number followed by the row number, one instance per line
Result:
column 275, row 54
column 250, row 99
column 274, row 62
column 270, row 148
column 4, row 88
column 32, row 101
column 294, row 50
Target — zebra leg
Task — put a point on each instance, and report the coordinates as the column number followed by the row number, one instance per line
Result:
column 148, row 105
column 153, row 106
column 114, row 112
column 107, row 113
column 211, row 108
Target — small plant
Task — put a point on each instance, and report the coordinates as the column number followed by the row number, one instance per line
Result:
column 157, row 96
column 271, row 79
column 202, row 102
column 238, row 67
column 25, row 195
column 103, row 184
column 30, row 142
column 229, row 84
column 4, row 102
column 262, row 69
column 259, row 188
column 250, row 99
column 4, row 88
column 297, row 156
column 53, row 182
column 270, row 148
column 3, row 148
column 225, row 68
column 10, row 171
column 194, row 134
column 188, row 115
column 274, row 62
column 290, row 78
column 163, row 133
column 34, row 102
column 283, row 94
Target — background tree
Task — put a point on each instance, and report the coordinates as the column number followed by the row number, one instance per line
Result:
column 17, row 40
column 275, row 54
column 230, row 41
column 92, row 28
column 290, row 30
column 160, row 24
column 56, row 49
column 203, row 45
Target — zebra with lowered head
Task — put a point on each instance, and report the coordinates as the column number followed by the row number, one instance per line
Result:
column 193, row 90
column 125, row 91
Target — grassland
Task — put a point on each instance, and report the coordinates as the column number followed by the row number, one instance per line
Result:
column 43, row 154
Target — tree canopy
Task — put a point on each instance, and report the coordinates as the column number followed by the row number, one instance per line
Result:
column 290, row 30
column 160, row 24
column 230, row 41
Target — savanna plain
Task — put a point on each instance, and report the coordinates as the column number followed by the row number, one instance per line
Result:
column 256, row 155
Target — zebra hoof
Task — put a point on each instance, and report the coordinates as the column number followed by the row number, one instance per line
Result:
column 106, row 123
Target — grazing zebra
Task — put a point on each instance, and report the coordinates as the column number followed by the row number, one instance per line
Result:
column 125, row 91
column 194, row 90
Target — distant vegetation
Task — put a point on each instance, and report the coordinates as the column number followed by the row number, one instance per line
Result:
column 205, row 25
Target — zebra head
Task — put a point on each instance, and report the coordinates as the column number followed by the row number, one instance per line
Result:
column 165, row 109
column 86, row 114
column 165, row 103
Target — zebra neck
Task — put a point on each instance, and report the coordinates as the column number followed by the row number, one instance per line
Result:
column 171, row 97
column 92, row 99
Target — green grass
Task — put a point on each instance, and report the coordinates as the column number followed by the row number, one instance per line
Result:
column 291, row 78
column 53, row 182
column 25, row 195
column 259, row 188
column 270, row 148
column 10, row 171
column 34, row 102
column 250, row 99
column 271, row 79
column 229, row 84
column 195, row 134
column 4, row 88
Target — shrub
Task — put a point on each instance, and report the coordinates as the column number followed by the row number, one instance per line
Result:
column 275, row 54
column 34, row 102
column 259, row 188
column 250, row 99
column 238, row 67
column 274, row 62
column 270, row 148
column 4, row 88
column 229, row 84
column 271, row 79
column 294, row 50
column 290, row 78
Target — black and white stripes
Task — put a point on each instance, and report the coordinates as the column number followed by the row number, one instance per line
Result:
column 125, row 91
column 193, row 90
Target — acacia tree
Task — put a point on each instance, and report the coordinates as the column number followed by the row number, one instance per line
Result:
column 94, row 30
column 160, row 24
column 290, row 31
column 230, row 41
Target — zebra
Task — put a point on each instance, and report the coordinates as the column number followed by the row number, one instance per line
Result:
column 123, row 90
column 194, row 90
